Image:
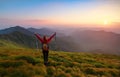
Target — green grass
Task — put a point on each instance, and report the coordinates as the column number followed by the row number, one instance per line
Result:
column 23, row 62
column 16, row 61
column 9, row 44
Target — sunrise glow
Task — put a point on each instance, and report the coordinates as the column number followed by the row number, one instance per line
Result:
column 59, row 12
column 105, row 22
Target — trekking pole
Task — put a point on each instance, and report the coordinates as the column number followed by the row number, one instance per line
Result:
column 56, row 42
column 55, row 36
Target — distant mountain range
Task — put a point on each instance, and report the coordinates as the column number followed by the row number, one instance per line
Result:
column 26, row 38
column 101, row 41
column 85, row 40
column 45, row 31
column 16, row 28
column 42, row 31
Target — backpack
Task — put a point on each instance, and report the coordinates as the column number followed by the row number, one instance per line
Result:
column 45, row 47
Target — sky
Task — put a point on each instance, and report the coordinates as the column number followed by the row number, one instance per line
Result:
column 56, row 13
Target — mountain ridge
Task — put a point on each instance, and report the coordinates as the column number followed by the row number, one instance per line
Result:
column 98, row 40
column 30, row 40
column 82, row 41
column 16, row 28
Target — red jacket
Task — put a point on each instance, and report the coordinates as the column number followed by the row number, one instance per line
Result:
column 44, row 39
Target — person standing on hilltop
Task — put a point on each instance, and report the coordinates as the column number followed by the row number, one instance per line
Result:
column 45, row 47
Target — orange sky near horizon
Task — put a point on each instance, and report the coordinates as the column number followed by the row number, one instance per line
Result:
column 72, row 13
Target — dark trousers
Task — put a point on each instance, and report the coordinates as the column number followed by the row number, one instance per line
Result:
column 45, row 56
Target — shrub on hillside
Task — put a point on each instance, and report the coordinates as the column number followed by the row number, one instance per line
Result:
column 41, row 71
column 3, row 55
column 99, row 65
column 68, row 70
column 3, row 72
column 90, row 71
column 16, row 72
column 61, row 74
column 8, row 63
column 51, row 71
column 114, row 73
column 29, row 59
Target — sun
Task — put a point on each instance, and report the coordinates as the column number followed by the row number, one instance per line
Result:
column 105, row 22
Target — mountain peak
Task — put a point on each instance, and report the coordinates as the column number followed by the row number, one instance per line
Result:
column 14, row 29
column 18, row 26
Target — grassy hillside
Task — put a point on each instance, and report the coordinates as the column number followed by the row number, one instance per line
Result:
column 8, row 44
column 30, row 41
column 19, row 38
column 23, row 62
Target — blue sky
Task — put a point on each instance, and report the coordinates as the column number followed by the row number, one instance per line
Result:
column 58, row 12
column 21, row 7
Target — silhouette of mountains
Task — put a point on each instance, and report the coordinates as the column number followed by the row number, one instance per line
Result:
column 101, row 41
column 20, row 38
column 14, row 29
column 26, row 38
column 45, row 31
column 85, row 40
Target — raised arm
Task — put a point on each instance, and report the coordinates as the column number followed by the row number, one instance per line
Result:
column 39, row 38
column 49, row 39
